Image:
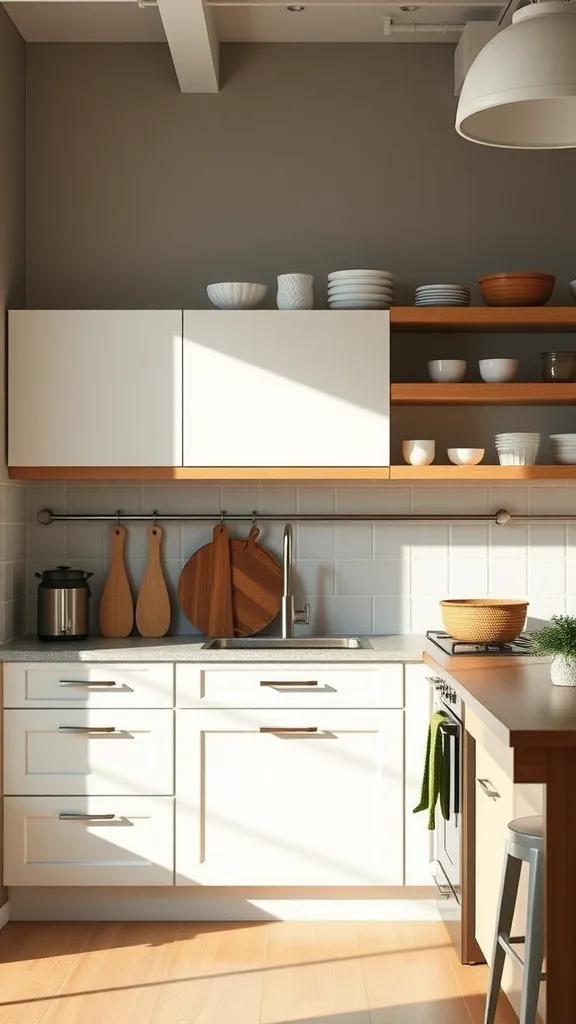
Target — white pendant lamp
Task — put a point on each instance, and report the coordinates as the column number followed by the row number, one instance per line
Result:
column 520, row 92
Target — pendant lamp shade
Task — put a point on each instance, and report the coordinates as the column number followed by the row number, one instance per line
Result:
column 520, row 92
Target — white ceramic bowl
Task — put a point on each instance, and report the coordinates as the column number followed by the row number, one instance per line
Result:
column 418, row 453
column 236, row 294
column 466, row 456
column 498, row 371
column 447, row 371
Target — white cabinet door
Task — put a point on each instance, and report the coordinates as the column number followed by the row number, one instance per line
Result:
column 286, row 388
column 97, row 753
column 87, row 840
column 95, row 388
column 305, row 797
column 494, row 809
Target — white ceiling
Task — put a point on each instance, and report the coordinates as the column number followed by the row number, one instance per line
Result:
column 330, row 21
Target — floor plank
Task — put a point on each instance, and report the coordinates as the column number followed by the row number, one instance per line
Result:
column 313, row 973
column 473, row 983
column 118, row 975
column 34, row 961
column 215, row 975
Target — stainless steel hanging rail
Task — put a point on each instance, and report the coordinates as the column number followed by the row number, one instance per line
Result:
column 501, row 517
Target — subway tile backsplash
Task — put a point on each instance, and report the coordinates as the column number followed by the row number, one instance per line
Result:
column 358, row 577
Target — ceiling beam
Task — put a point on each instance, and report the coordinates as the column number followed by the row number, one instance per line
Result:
column 193, row 41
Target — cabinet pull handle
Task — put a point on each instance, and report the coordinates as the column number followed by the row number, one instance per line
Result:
column 73, row 816
column 87, row 728
column 293, row 728
column 488, row 789
column 289, row 682
column 87, row 682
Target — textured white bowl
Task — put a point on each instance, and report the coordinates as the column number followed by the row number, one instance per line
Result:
column 498, row 371
column 418, row 453
column 466, row 456
column 447, row 371
column 518, row 457
column 236, row 294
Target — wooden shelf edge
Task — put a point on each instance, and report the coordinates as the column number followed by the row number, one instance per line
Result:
column 483, row 394
column 456, row 473
column 483, row 318
column 199, row 472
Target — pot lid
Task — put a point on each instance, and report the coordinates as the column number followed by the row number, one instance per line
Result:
column 63, row 574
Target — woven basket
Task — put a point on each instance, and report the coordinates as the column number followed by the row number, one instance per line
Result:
column 482, row 621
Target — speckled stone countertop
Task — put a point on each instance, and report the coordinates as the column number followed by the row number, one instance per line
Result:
column 180, row 648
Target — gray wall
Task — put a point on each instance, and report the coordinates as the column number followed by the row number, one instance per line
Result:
column 312, row 157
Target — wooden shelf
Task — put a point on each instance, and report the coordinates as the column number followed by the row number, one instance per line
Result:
column 483, row 318
column 483, row 394
column 482, row 472
column 199, row 472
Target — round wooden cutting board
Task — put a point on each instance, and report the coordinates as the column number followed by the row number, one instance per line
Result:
column 255, row 587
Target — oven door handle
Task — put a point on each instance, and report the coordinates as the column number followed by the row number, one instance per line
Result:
column 445, row 890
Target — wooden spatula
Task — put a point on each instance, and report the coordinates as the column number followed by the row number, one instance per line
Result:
column 116, row 606
column 153, row 604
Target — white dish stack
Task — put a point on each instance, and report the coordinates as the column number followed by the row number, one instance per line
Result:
column 564, row 448
column 360, row 289
column 517, row 449
column 443, row 295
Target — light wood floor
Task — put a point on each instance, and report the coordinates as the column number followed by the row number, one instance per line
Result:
column 214, row 973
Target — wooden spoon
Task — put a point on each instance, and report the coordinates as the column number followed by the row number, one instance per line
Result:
column 116, row 606
column 153, row 604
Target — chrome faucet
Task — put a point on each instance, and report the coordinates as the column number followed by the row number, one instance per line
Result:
column 290, row 615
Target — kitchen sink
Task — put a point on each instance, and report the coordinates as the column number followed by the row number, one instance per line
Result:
column 276, row 643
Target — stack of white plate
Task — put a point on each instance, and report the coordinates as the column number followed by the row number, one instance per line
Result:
column 442, row 295
column 564, row 448
column 517, row 449
column 360, row 289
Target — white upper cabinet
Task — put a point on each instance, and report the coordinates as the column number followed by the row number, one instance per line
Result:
column 95, row 388
column 290, row 388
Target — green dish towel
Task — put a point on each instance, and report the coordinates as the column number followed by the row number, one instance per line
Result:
column 436, row 778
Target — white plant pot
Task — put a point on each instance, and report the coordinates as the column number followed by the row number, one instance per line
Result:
column 563, row 671
column 295, row 291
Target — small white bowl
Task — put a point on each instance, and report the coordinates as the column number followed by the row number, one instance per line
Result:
column 447, row 371
column 466, row 456
column 418, row 453
column 498, row 371
column 236, row 294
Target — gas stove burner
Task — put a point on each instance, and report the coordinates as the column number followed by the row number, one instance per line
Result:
column 522, row 645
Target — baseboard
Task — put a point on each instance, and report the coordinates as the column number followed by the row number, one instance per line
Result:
column 95, row 904
column 4, row 914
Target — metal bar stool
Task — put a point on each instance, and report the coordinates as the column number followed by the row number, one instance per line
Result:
column 525, row 843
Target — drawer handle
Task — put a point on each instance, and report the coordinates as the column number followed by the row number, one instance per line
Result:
column 289, row 682
column 87, row 682
column 87, row 728
column 279, row 729
column 73, row 816
column 488, row 789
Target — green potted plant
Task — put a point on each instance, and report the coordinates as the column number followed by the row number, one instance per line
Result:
column 558, row 640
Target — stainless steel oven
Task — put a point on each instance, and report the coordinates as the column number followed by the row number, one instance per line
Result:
column 447, row 865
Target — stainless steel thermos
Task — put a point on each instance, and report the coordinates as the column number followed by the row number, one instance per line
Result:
column 63, row 604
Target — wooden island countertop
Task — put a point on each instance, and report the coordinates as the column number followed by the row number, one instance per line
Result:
column 517, row 700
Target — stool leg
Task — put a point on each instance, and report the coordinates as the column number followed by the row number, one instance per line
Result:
column 534, row 948
column 508, row 894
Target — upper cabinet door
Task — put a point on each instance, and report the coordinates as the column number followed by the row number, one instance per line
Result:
column 286, row 388
column 95, row 388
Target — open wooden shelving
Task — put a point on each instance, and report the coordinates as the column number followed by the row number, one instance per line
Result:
column 483, row 394
column 483, row 318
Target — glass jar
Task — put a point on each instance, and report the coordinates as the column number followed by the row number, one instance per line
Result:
column 559, row 367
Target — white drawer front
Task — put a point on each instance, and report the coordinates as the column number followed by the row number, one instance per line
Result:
column 89, row 685
column 287, row 686
column 134, row 847
column 88, row 752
